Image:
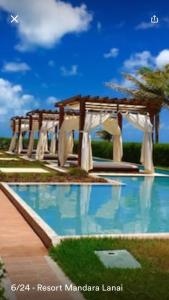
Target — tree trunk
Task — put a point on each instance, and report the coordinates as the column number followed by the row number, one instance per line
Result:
column 157, row 127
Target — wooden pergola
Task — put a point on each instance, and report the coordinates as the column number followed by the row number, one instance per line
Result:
column 16, row 126
column 41, row 115
column 17, row 121
column 81, row 104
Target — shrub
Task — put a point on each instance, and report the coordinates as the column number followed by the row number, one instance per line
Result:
column 4, row 143
column 77, row 172
column 131, row 152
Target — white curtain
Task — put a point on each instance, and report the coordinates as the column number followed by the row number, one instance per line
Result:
column 53, row 132
column 143, row 123
column 42, row 142
column 65, row 140
column 20, row 143
column 112, row 126
column 42, row 147
column 31, row 138
column 13, row 143
column 92, row 120
column 52, row 150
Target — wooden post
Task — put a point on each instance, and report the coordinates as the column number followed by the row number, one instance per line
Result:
column 61, row 119
column 13, row 126
column 56, row 130
column 81, row 128
column 157, row 125
column 19, row 131
column 30, row 125
column 152, row 114
column 120, row 120
column 30, row 129
column 61, row 115
column 40, row 122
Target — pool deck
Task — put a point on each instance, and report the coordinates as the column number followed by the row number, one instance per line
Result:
column 25, row 257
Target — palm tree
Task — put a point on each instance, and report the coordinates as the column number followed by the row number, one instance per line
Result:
column 150, row 84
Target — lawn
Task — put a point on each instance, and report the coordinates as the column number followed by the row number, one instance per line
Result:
column 73, row 175
column 151, row 282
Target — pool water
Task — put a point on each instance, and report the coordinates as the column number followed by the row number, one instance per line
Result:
column 141, row 205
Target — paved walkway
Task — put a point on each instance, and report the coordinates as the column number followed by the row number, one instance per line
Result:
column 24, row 255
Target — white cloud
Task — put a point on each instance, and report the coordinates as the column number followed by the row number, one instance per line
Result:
column 43, row 23
column 146, row 25
column 99, row 26
column 73, row 71
column 14, row 67
column 51, row 63
column 138, row 60
column 112, row 53
column 13, row 101
column 162, row 58
column 52, row 100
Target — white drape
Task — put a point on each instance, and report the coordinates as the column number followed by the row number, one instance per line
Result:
column 52, row 150
column 42, row 147
column 65, row 140
column 53, row 144
column 112, row 126
column 143, row 123
column 92, row 120
column 31, row 138
column 20, row 143
column 13, row 142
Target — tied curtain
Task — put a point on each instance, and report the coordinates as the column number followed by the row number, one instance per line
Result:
column 24, row 128
column 112, row 126
column 13, row 143
column 143, row 123
column 42, row 147
column 31, row 138
column 92, row 120
column 65, row 141
column 53, row 132
column 52, row 149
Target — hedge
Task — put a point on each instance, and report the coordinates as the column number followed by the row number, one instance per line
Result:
column 131, row 152
column 103, row 149
column 5, row 142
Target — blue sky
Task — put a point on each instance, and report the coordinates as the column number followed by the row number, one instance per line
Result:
column 63, row 48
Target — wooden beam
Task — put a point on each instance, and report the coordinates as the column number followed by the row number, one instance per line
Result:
column 81, row 128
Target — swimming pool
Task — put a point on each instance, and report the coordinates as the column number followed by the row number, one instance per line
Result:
column 139, row 206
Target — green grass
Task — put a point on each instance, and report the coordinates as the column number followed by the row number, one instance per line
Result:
column 73, row 175
column 151, row 282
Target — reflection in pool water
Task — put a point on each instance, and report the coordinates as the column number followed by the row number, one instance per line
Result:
column 139, row 206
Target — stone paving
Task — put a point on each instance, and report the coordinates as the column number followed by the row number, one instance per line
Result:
column 24, row 256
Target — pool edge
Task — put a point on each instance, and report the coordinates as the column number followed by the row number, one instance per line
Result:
column 49, row 237
column 45, row 232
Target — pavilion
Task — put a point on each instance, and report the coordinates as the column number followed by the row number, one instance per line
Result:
column 20, row 127
column 90, row 112
column 43, row 123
